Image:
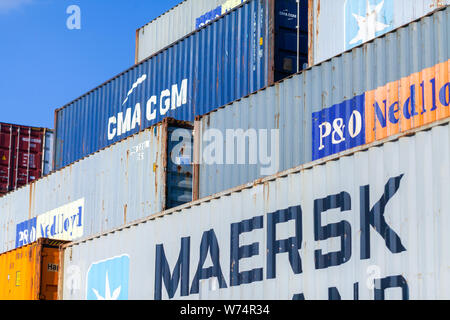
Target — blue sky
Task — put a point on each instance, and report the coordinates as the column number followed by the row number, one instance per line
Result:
column 44, row 65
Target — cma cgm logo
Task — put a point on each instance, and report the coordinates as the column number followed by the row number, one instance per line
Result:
column 399, row 106
column 365, row 20
column 108, row 279
column 157, row 105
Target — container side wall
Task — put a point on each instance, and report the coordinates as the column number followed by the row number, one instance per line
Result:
column 19, row 276
column 122, row 183
column 393, row 84
column 381, row 210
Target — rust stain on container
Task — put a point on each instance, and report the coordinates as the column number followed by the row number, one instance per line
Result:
column 30, row 203
column 311, row 30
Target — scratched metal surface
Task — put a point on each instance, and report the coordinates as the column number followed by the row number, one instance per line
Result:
column 371, row 224
column 119, row 184
column 288, row 106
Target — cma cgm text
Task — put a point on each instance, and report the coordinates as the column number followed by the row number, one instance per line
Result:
column 124, row 122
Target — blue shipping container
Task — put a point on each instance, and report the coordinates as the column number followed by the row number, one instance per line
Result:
column 224, row 61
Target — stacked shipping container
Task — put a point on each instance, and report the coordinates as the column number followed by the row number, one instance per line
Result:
column 294, row 248
column 26, row 154
column 388, row 99
column 146, row 173
column 397, row 82
column 369, row 224
column 243, row 51
column 335, row 26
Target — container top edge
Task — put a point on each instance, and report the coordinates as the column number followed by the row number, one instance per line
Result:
column 24, row 126
column 161, row 15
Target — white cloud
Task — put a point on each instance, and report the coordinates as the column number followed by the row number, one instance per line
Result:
column 7, row 5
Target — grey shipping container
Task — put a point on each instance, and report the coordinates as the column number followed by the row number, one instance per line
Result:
column 144, row 174
column 340, row 25
column 371, row 223
column 239, row 53
column 394, row 83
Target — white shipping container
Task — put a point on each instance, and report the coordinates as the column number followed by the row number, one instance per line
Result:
column 340, row 25
column 177, row 23
column 371, row 224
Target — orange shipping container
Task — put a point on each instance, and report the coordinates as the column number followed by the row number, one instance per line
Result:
column 30, row 272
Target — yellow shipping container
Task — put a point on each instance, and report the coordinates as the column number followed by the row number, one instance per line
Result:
column 30, row 272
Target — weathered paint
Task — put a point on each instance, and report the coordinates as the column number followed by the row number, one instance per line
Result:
column 340, row 25
column 317, row 107
column 370, row 223
column 108, row 189
column 224, row 61
column 30, row 272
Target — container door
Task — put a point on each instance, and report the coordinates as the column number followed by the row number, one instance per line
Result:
column 28, row 161
column 49, row 273
column 21, row 156
column 47, row 156
column 291, row 47
column 179, row 166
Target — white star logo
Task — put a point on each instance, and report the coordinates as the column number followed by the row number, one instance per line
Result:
column 108, row 295
column 368, row 25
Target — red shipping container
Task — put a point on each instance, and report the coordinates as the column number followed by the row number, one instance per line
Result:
column 22, row 155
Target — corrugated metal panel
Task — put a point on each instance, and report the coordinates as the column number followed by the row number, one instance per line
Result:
column 414, row 58
column 178, row 22
column 220, row 63
column 372, row 224
column 340, row 25
column 122, row 183
column 24, row 155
